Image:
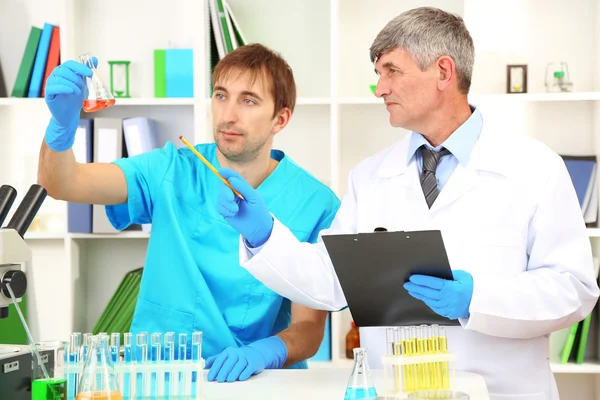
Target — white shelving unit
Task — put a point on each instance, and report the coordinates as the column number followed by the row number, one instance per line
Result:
column 337, row 122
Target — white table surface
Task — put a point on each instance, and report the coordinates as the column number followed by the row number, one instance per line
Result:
column 316, row 384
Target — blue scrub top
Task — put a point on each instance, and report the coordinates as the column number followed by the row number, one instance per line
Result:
column 192, row 279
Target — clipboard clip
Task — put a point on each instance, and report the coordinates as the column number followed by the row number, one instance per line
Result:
column 380, row 229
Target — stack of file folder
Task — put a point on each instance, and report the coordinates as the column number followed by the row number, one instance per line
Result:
column 118, row 314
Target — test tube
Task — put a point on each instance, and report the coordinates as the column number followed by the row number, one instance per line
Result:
column 128, row 358
column 155, row 357
column 115, row 346
column 443, row 340
column 435, row 348
column 196, row 354
column 404, row 350
column 74, row 350
column 399, row 370
column 85, row 347
column 169, row 356
column 389, row 344
column 182, row 356
column 141, row 341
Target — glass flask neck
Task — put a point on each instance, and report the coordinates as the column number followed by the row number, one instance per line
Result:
column 86, row 59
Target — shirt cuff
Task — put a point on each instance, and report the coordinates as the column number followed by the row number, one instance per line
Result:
column 253, row 250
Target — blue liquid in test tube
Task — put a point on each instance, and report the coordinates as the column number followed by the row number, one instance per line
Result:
column 169, row 356
column 128, row 358
column 196, row 352
column 181, row 356
column 73, row 354
column 141, row 340
column 155, row 356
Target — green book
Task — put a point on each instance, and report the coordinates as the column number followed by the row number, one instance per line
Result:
column 118, row 313
column 566, row 352
column 585, row 329
column 26, row 69
column 224, row 26
column 160, row 73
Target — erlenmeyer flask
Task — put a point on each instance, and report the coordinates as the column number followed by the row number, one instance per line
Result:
column 98, row 379
column 360, row 384
column 96, row 96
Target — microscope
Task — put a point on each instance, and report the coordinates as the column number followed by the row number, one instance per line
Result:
column 16, row 361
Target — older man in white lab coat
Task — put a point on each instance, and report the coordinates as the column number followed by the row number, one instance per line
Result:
column 507, row 209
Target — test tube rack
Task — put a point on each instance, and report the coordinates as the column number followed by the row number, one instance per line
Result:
column 407, row 374
column 151, row 379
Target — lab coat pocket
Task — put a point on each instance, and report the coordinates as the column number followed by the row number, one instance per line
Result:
column 530, row 396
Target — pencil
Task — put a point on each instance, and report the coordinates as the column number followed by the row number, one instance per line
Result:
column 213, row 169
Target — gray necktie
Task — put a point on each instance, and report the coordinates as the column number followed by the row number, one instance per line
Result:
column 431, row 159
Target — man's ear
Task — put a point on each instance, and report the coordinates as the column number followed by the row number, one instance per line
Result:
column 446, row 72
column 281, row 120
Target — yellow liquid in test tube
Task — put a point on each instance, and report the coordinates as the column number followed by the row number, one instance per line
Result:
column 406, row 370
column 443, row 341
column 423, row 368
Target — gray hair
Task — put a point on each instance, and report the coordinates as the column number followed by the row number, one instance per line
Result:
column 428, row 33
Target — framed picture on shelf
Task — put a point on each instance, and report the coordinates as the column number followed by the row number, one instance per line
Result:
column 516, row 79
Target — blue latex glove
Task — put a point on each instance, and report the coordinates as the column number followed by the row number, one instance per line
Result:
column 64, row 96
column 450, row 299
column 241, row 363
column 250, row 216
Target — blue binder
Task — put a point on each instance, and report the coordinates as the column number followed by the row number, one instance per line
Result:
column 79, row 215
column 583, row 173
column 39, row 66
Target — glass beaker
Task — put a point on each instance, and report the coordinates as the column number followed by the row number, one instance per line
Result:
column 54, row 387
column 98, row 379
column 360, row 384
column 95, row 95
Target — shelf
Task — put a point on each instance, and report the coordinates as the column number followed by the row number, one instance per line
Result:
column 539, row 97
column 44, row 236
column 148, row 101
column 120, row 235
column 55, row 236
column 151, row 101
column 20, row 101
column 313, row 100
column 585, row 368
column 593, row 232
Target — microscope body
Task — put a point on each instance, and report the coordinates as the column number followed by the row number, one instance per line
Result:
column 16, row 361
column 14, row 258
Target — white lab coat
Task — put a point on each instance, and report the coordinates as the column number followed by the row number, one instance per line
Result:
column 510, row 217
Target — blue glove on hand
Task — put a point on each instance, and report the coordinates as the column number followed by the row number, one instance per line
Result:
column 450, row 299
column 250, row 217
column 64, row 96
column 242, row 362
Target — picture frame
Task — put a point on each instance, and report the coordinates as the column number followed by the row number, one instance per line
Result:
column 516, row 78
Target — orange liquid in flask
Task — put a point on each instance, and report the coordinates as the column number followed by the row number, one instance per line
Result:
column 96, row 105
column 100, row 395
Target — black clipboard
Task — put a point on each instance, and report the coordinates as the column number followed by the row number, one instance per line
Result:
column 373, row 267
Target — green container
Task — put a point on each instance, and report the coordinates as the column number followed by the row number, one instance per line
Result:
column 49, row 389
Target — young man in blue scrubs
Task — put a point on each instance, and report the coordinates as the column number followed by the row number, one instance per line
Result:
column 192, row 278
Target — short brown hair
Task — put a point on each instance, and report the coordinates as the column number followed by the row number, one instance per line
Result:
column 256, row 59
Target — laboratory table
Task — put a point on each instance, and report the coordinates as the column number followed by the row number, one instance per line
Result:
column 316, row 384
